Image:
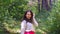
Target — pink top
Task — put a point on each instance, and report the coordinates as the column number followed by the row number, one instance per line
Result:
column 28, row 26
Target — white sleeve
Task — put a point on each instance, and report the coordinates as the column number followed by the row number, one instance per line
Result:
column 23, row 26
column 35, row 22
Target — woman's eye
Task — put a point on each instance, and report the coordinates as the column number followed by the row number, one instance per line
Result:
column 28, row 14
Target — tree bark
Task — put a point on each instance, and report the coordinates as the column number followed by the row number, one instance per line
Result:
column 39, row 5
column 45, row 4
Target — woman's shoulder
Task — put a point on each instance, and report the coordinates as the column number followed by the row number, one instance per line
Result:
column 23, row 21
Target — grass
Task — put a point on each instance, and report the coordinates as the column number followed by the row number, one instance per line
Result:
column 3, row 32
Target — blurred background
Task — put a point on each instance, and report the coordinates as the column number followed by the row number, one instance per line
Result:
column 47, row 14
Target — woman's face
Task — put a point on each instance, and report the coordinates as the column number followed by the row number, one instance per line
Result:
column 28, row 15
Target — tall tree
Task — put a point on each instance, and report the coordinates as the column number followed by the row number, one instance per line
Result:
column 39, row 5
column 45, row 4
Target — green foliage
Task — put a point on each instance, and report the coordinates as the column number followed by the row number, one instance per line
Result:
column 50, row 21
column 12, row 11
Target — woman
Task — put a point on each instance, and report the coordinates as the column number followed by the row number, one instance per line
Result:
column 28, row 23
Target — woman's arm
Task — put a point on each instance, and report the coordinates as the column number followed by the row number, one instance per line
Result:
column 23, row 27
column 35, row 22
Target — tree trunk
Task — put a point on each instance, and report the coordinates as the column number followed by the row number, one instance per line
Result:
column 39, row 5
column 45, row 4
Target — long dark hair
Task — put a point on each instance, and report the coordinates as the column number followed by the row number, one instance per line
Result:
column 28, row 20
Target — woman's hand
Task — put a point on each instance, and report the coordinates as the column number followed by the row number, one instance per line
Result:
column 33, row 15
